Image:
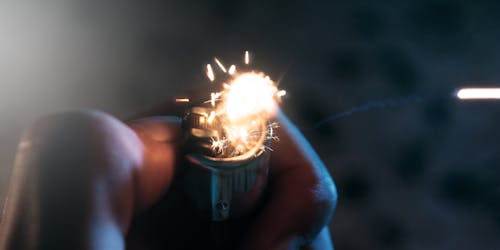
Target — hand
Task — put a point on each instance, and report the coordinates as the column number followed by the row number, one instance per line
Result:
column 85, row 180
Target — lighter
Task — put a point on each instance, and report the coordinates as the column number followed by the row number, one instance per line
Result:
column 226, row 144
column 221, row 187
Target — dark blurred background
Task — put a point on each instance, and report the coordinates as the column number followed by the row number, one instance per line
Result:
column 422, row 176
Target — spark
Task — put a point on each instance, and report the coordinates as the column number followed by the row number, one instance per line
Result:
column 247, row 58
column 231, row 70
column 181, row 99
column 221, row 66
column 243, row 107
column 218, row 145
column 478, row 93
column 213, row 98
column 270, row 131
column 281, row 93
column 210, row 73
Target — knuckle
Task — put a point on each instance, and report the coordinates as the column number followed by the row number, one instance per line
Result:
column 87, row 137
column 330, row 194
column 74, row 123
column 323, row 191
column 320, row 205
column 74, row 162
column 324, row 196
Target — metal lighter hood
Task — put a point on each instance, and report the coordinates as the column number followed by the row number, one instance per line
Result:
column 219, row 188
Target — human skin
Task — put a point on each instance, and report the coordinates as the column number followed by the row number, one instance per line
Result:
column 86, row 180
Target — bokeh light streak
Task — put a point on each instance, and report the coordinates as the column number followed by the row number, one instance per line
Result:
column 478, row 93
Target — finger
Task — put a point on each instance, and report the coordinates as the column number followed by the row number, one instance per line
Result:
column 302, row 194
column 72, row 184
column 160, row 136
column 323, row 241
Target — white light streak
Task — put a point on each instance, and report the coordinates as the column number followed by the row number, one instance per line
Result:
column 478, row 93
column 247, row 57
column 210, row 73
column 221, row 66
column 281, row 93
column 181, row 99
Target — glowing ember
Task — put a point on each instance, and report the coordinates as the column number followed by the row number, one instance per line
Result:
column 181, row 99
column 210, row 73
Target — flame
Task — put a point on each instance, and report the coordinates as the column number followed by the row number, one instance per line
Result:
column 248, row 95
column 243, row 107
